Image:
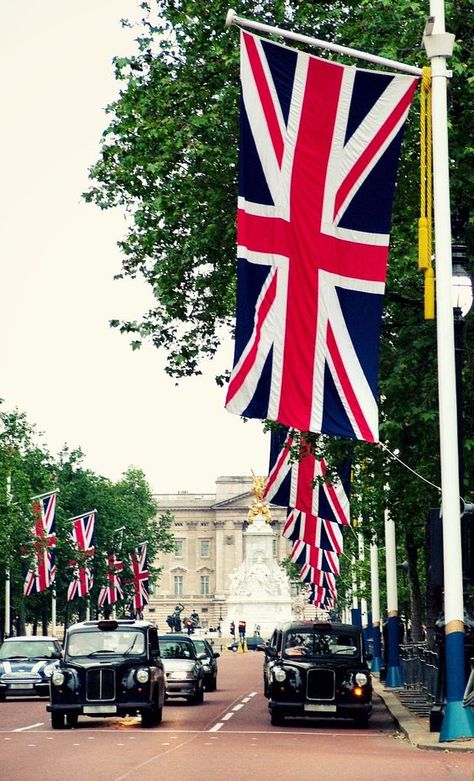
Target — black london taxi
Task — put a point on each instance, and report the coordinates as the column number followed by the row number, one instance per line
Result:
column 109, row 668
column 317, row 669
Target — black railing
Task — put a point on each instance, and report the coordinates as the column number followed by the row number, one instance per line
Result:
column 420, row 668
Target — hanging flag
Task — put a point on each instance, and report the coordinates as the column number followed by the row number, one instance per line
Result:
column 324, row 560
column 315, row 577
column 303, row 483
column 313, row 531
column 43, row 572
column 319, row 146
column 83, row 541
column 112, row 591
column 139, row 561
column 320, row 597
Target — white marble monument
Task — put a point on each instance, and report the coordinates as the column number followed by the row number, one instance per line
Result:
column 259, row 588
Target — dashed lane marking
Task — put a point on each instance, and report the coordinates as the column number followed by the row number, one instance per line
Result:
column 238, row 707
column 217, row 726
column 30, row 726
column 227, row 716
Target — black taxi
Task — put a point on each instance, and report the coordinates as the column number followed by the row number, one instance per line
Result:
column 109, row 668
column 317, row 669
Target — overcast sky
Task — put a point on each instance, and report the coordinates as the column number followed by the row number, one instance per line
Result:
column 76, row 378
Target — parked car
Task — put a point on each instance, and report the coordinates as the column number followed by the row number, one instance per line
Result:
column 26, row 665
column 253, row 643
column 184, row 671
column 109, row 668
column 208, row 656
column 316, row 669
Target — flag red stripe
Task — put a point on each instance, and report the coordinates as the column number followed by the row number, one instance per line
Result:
column 265, row 96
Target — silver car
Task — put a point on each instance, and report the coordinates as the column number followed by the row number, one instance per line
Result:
column 184, row 671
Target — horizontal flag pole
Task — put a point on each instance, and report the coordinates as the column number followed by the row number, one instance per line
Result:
column 77, row 517
column 48, row 493
column 232, row 18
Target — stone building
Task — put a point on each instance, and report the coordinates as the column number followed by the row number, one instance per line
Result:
column 210, row 545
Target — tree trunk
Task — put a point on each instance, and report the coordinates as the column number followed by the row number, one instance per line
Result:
column 416, row 603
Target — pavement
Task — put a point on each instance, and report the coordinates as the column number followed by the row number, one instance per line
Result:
column 416, row 728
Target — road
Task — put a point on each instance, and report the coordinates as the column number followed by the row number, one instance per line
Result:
column 228, row 735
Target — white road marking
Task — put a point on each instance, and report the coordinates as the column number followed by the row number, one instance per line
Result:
column 30, row 726
column 252, row 694
column 217, row 726
column 237, row 707
column 246, row 699
column 227, row 716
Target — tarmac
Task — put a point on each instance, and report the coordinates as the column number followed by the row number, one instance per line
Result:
column 416, row 728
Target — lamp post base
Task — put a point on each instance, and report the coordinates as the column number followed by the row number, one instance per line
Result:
column 394, row 678
column 458, row 722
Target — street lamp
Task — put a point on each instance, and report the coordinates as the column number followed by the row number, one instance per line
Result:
column 462, row 299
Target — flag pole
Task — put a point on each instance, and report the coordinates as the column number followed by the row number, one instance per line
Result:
column 375, row 604
column 458, row 721
column 393, row 676
column 7, row 626
column 232, row 18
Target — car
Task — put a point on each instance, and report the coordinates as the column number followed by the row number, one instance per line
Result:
column 26, row 665
column 317, row 669
column 184, row 671
column 208, row 656
column 109, row 668
column 253, row 642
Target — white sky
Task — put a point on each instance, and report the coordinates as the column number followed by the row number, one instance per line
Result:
column 76, row 378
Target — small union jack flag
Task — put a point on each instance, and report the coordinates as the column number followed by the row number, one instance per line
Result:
column 139, row 564
column 313, row 531
column 315, row 577
column 42, row 575
column 303, row 484
column 112, row 591
column 321, row 597
column 319, row 151
column 324, row 560
column 83, row 540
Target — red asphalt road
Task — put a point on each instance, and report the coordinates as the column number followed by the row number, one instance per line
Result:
column 228, row 736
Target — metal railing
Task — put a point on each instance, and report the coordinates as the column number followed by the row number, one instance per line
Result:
column 420, row 668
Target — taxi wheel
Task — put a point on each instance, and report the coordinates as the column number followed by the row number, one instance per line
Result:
column 276, row 718
column 197, row 698
column 212, row 686
column 72, row 719
column 57, row 719
column 361, row 721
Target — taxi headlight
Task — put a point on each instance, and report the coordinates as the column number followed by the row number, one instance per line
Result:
column 49, row 670
column 57, row 678
column 360, row 679
column 206, row 668
column 143, row 675
column 279, row 674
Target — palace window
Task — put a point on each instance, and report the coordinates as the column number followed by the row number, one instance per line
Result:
column 178, row 548
column 178, row 585
column 205, row 548
column 204, row 585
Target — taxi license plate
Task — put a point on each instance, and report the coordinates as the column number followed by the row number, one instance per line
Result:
column 20, row 686
column 91, row 709
column 320, row 708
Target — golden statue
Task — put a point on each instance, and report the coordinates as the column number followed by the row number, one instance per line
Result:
column 259, row 507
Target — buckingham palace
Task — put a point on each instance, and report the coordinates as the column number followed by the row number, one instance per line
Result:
column 210, row 541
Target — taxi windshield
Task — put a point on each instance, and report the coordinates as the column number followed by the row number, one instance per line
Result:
column 119, row 642
column 315, row 644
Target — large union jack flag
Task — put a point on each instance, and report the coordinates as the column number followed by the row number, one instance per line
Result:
column 319, row 150
column 139, row 562
column 83, row 541
column 303, row 484
column 43, row 573
column 112, row 591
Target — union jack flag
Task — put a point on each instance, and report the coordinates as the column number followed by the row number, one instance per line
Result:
column 112, row 591
column 320, row 597
column 42, row 575
column 83, row 541
column 324, row 560
column 303, row 484
column 139, row 561
column 319, row 149
column 315, row 577
column 313, row 531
